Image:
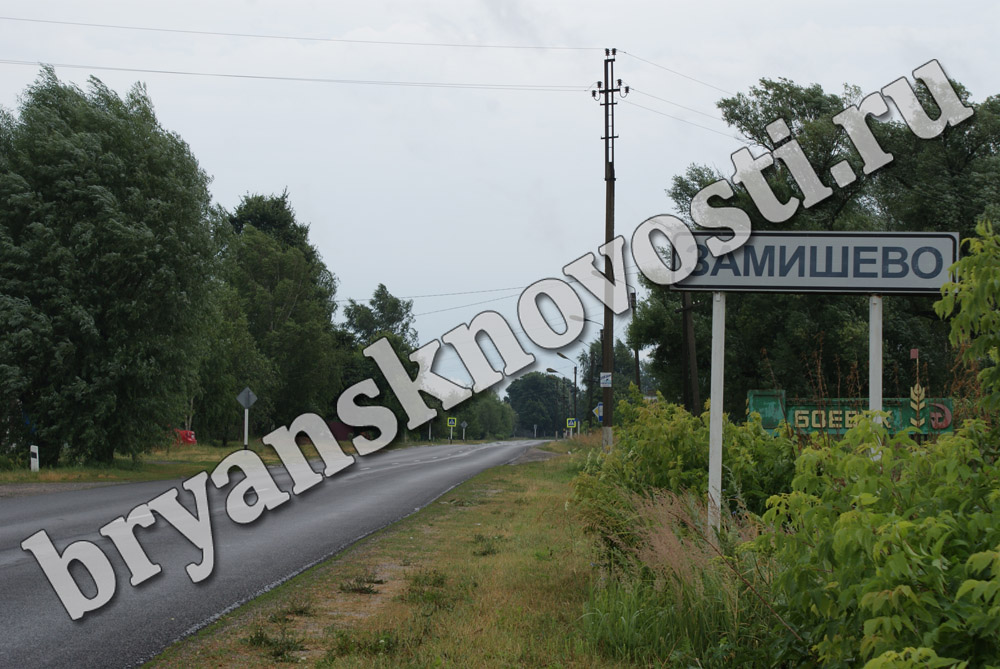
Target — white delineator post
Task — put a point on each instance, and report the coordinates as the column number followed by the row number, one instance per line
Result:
column 715, row 414
column 875, row 354
column 246, row 428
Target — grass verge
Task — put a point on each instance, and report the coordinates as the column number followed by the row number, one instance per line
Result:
column 173, row 462
column 493, row 574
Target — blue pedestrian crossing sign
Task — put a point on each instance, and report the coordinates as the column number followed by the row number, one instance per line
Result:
column 452, row 422
column 570, row 423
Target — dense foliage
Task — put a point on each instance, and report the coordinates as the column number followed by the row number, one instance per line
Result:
column 541, row 400
column 129, row 306
column 105, row 262
column 814, row 345
column 886, row 544
column 660, row 446
column 974, row 303
column 874, row 551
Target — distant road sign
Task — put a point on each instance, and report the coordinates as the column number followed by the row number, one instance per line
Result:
column 605, row 379
column 452, row 422
column 599, row 412
column 571, row 422
column 246, row 398
column 464, row 425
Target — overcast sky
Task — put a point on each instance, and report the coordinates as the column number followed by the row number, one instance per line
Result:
column 472, row 189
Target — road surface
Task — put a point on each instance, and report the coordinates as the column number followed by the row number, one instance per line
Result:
column 140, row 621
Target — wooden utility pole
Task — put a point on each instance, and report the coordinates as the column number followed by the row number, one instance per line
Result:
column 605, row 93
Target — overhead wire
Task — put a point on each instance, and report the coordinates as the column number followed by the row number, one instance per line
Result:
column 301, row 38
column 633, row 89
column 676, row 72
column 683, row 120
column 367, row 82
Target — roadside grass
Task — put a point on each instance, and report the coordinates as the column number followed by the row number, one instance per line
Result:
column 170, row 462
column 164, row 463
column 495, row 573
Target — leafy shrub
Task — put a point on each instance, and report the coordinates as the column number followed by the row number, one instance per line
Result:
column 974, row 306
column 889, row 551
column 660, row 446
column 8, row 463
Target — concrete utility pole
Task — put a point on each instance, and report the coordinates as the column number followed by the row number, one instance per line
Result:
column 605, row 93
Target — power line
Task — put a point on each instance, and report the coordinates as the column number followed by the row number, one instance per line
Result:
column 678, row 118
column 677, row 104
column 466, row 292
column 299, row 38
column 679, row 74
column 365, row 82
column 464, row 306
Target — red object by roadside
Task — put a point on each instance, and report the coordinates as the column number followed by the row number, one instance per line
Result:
column 185, row 436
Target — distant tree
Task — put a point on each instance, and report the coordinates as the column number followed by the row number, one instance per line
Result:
column 288, row 297
column 487, row 417
column 383, row 314
column 105, row 260
column 540, row 399
column 273, row 215
column 231, row 361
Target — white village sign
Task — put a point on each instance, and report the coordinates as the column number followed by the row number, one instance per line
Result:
column 869, row 263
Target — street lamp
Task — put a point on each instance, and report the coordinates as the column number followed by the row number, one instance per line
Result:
column 575, row 414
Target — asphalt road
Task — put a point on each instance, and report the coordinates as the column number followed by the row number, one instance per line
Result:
column 138, row 622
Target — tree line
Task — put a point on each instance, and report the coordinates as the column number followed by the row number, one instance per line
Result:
column 131, row 305
column 817, row 345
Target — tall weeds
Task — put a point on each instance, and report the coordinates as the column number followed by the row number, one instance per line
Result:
column 678, row 598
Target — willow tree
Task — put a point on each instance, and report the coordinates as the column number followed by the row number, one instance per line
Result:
column 105, row 260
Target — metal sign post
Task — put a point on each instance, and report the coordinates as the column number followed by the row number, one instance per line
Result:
column 246, row 398
column 465, row 424
column 715, row 414
column 452, row 422
column 875, row 354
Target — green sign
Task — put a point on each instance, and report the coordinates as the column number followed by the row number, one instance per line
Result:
column 928, row 415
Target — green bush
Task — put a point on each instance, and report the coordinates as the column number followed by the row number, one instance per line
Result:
column 660, row 446
column 889, row 551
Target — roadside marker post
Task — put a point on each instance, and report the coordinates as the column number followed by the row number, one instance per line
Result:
column 34, row 458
